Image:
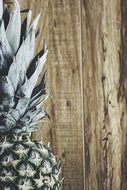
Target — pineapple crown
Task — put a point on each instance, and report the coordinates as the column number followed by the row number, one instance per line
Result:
column 21, row 97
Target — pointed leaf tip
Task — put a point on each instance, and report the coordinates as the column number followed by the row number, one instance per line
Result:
column 6, row 51
column 35, row 23
column 14, row 27
column 1, row 9
column 28, row 20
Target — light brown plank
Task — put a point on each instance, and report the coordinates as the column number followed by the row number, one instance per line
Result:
column 61, row 26
column 104, row 34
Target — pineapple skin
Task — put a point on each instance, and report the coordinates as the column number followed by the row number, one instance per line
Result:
column 27, row 164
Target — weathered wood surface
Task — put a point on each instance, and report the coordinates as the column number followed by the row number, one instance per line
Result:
column 61, row 26
column 104, row 34
column 87, row 46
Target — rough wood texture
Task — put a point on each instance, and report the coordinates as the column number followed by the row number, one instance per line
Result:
column 61, row 26
column 101, row 26
column 104, row 34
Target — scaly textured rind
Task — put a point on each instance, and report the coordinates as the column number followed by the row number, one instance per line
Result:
column 26, row 164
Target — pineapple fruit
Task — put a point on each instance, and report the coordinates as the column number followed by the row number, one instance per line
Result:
column 25, row 164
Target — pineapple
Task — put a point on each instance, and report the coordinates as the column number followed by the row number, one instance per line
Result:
column 25, row 164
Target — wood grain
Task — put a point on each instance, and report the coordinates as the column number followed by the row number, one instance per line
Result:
column 104, row 34
column 87, row 64
column 61, row 26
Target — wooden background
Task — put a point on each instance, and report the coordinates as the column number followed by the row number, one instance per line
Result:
column 60, row 25
column 87, row 76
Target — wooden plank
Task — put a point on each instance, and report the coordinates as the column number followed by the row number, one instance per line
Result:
column 104, row 34
column 61, row 26
column 122, row 93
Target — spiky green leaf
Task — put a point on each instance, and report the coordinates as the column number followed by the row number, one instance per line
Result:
column 14, row 27
column 5, row 50
column 1, row 9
